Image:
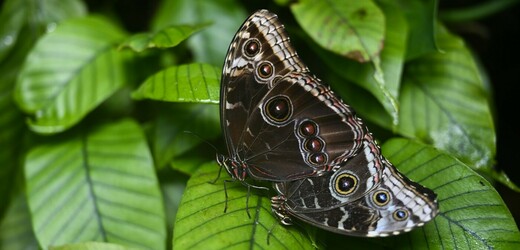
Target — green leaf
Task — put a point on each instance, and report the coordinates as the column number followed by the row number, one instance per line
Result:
column 39, row 15
column 181, row 127
column 444, row 103
column 15, row 226
column 209, row 45
column 96, row 186
column 354, row 29
column 202, row 224
column 165, row 38
column 185, row 83
column 421, row 16
column 385, row 89
column 69, row 72
column 472, row 214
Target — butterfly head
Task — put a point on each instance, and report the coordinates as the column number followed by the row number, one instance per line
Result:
column 235, row 168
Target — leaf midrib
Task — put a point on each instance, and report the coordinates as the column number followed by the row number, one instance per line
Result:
column 90, row 183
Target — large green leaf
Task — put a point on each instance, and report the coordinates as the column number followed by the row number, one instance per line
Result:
column 96, row 186
column 209, row 45
column 15, row 14
column 69, row 72
column 444, row 103
column 351, row 28
column 166, row 38
column 185, row 83
column 202, row 224
column 472, row 214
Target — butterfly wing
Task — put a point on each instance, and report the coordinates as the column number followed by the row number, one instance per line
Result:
column 261, row 40
column 278, row 120
column 396, row 204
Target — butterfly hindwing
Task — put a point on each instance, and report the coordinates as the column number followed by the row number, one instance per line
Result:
column 338, row 202
column 354, row 179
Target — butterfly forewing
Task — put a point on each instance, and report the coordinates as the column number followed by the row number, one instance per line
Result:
column 268, row 97
column 260, row 40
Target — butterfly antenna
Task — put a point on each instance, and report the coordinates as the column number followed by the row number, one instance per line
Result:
column 212, row 146
column 202, row 140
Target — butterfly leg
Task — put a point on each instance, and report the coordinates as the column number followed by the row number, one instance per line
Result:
column 249, row 186
column 226, row 195
column 247, row 200
column 278, row 208
column 220, row 161
column 218, row 176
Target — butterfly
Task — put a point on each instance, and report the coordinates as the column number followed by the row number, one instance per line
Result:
column 284, row 125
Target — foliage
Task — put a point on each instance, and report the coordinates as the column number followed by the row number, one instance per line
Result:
column 95, row 117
